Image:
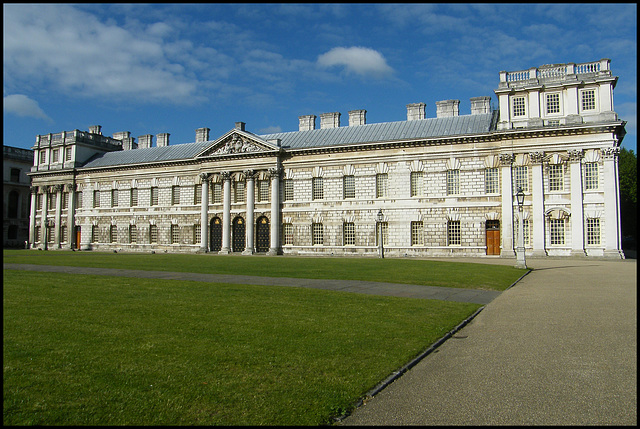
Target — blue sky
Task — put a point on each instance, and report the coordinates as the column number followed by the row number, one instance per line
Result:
column 151, row 69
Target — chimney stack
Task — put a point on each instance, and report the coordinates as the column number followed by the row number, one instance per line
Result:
column 330, row 120
column 129, row 143
column 95, row 129
column 162, row 139
column 416, row 111
column 447, row 108
column 480, row 105
column 240, row 126
column 307, row 122
column 202, row 135
column 145, row 141
column 357, row 117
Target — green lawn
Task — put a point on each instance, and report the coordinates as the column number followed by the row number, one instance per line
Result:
column 85, row 350
column 408, row 271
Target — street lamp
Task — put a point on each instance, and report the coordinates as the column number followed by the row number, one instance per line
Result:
column 520, row 258
column 380, row 217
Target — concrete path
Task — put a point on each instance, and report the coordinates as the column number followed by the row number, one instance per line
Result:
column 355, row 286
column 559, row 348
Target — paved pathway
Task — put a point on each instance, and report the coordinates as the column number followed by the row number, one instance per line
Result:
column 356, row 286
column 559, row 348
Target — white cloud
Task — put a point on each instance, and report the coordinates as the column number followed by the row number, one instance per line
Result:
column 22, row 105
column 358, row 60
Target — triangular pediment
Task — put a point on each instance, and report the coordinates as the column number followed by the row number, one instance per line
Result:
column 237, row 143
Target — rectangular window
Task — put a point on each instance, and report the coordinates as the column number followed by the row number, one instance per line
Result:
column 287, row 233
column 518, row 106
column 38, row 201
column 52, row 201
column 263, row 190
column 216, row 193
column 288, row 189
column 51, row 234
column 133, row 197
column 79, row 199
column 491, row 184
column 64, row 201
column 54, row 155
column 175, row 195
column 385, row 233
column 67, row 154
column 94, row 233
column 557, row 231
column 453, row 182
column 114, row 198
column 15, row 175
column 37, row 232
column 591, row 175
column 556, row 177
column 96, row 198
column 348, row 187
column 416, row 183
column 453, row 233
column 239, row 192
column 197, row 234
column 64, row 236
column 197, row 194
column 382, row 185
column 153, row 234
column 417, row 234
column 43, row 157
column 133, row 234
column 349, row 233
column 553, row 103
column 175, row 234
column 317, row 234
column 317, row 188
column 113, row 233
column 593, row 231
column 521, row 178
column 588, row 98
column 154, row 196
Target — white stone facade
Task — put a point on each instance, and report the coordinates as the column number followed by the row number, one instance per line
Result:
column 445, row 185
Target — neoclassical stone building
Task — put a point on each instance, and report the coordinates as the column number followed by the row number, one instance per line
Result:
column 444, row 186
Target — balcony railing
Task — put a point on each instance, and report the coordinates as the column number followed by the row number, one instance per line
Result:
column 556, row 71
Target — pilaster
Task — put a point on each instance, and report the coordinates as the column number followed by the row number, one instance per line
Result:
column 506, row 160
column 537, row 204
column 577, row 205
column 226, row 214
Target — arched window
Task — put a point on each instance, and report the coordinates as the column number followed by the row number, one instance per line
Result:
column 12, row 212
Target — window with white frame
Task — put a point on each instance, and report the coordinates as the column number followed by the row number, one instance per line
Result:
column 64, row 235
column 593, row 231
column 317, row 234
column 39, row 201
column 96, row 198
column 67, row 154
column 175, row 234
column 453, row 233
column 175, row 195
column 216, row 193
column 348, row 186
column 491, row 184
column 417, row 233
column 154, row 196
column 197, row 194
column 78, row 199
column 133, row 197
column 385, row 233
column 114, row 198
column 113, row 234
column 556, row 230
column 556, row 177
column 349, row 234
column 94, row 233
column 588, row 99
column 52, row 201
column 553, row 103
column 197, row 234
column 382, row 185
column 263, row 190
column 416, row 182
column 64, row 201
column 521, row 178
column 37, row 233
column 54, row 155
column 453, row 182
column 43, row 157
column 240, row 191
column 590, row 176
column 153, row 233
column 519, row 106
column 287, row 233
column 133, row 234
column 288, row 189
column 317, row 188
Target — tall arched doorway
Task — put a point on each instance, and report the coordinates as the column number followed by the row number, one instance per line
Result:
column 262, row 234
column 215, row 234
column 238, row 235
column 493, row 237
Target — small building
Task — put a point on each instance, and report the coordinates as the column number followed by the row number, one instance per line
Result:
column 16, row 164
column 428, row 186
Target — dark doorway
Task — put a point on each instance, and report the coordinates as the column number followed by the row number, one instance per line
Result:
column 262, row 234
column 215, row 235
column 238, row 232
column 493, row 237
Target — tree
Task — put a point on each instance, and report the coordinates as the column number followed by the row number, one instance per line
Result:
column 628, row 173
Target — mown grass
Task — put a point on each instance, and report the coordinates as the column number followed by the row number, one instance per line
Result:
column 98, row 350
column 407, row 271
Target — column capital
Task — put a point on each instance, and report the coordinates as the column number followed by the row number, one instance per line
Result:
column 250, row 174
column 536, row 157
column 275, row 172
column 610, row 152
column 575, row 155
column 226, row 175
column 56, row 188
column 506, row 159
column 33, row 189
column 204, row 177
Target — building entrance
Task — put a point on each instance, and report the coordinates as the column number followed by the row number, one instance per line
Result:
column 493, row 237
column 238, row 232
column 215, row 234
column 78, row 236
column 262, row 234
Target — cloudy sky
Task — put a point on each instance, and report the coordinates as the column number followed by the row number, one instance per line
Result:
column 150, row 69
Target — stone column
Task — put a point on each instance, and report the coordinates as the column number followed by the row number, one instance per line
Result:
column 612, row 235
column 226, row 215
column 204, row 213
column 249, row 226
column 507, row 206
column 32, row 217
column 43, row 220
column 577, row 208
column 275, row 173
column 71, row 210
column 58, row 224
column 537, row 204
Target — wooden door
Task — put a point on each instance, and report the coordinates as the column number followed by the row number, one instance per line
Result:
column 78, row 236
column 493, row 237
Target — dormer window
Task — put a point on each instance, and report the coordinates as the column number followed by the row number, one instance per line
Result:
column 518, row 106
column 553, row 103
column 588, row 98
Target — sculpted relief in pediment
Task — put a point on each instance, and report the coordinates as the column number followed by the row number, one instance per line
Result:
column 235, row 144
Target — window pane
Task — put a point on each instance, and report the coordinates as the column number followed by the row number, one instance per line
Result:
column 287, row 232
column 491, row 184
column 555, row 177
column 518, row 106
column 416, row 183
column 591, row 175
column 317, row 234
column 349, row 231
column 417, row 234
column 588, row 99
column 553, row 103
column 288, row 189
column 317, row 189
column 382, row 185
column 593, row 231
column 557, row 231
column 521, row 178
column 349, row 186
column 453, row 182
column 453, row 232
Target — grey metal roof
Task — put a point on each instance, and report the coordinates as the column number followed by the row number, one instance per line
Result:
column 369, row 133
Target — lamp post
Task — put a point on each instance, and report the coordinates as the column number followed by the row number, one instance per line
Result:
column 380, row 217
column 520, row 258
